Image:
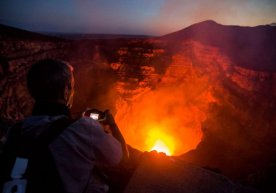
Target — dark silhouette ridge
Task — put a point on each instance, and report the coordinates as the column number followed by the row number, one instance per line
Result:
column 249, row 47
column 17, row 33
column 8, row 32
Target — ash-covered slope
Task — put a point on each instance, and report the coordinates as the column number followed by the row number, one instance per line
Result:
column 249, row 47
column 160, row 174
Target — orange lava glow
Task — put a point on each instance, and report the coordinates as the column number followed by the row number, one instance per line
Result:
column 160, row 142
column 166, row 118
column 160, row 146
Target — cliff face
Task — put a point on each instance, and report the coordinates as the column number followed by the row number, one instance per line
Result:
column 238, row 132
column 193, row 93
column 240, row 122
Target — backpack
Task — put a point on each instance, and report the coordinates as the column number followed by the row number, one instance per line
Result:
column 27, row 164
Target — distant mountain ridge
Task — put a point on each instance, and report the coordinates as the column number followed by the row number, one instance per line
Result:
column 16, row 33
column 249, row 47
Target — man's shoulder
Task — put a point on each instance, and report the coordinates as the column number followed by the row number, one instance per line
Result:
column 41, row 120
column 34, row 126
column 85, row 125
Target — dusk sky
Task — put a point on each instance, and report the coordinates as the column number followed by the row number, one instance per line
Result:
column 148, row 17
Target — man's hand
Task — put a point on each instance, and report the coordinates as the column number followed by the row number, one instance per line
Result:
column 108, row 122
column 109, row 119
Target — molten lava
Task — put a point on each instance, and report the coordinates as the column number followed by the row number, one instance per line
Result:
column 160, row 146
column 160, row 142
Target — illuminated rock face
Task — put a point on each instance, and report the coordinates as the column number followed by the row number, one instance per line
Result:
column 204, row 102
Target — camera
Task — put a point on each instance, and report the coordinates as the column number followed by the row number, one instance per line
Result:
column 95, row 114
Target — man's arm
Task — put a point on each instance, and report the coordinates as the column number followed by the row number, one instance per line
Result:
column 117, row 134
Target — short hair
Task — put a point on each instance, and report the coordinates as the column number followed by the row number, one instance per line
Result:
column 47, row 79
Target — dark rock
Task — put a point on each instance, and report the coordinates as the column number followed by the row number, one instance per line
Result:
column 159, row 173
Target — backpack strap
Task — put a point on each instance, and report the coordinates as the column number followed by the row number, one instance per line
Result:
column 24, row 146
column 55, row 129
column 42, row 173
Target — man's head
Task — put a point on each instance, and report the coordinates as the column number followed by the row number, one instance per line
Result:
column 51, row 81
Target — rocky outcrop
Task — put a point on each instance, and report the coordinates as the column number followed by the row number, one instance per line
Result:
column 158, row 173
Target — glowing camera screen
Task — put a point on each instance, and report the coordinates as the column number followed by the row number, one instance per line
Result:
column 94, row 116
